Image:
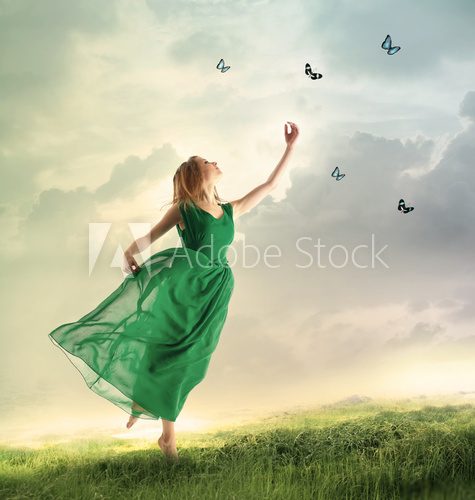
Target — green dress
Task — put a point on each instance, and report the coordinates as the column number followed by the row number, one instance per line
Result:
column 151, row 340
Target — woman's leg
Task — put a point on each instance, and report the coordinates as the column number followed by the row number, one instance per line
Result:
column 133, row 418
column 168, row 432
column 167, row 440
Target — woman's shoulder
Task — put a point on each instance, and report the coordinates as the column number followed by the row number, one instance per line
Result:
column 228, row 205
column 183, row 208
column 185, row 204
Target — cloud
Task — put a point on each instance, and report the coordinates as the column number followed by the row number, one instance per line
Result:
column 59, row 216
column 36, row 48
column 421, row 335
column 216, row 11
column 467, row 106
column 418, row 306
column 249, row 350
column 462, row 308
column 200, row 45
column 466, row 312
column 128, row 177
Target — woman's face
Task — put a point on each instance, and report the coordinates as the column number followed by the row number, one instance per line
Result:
column 210, row 170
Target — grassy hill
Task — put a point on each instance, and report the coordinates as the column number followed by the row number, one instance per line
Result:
column 345, row 451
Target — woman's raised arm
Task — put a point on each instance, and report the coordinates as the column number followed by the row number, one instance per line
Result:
column 256, row 195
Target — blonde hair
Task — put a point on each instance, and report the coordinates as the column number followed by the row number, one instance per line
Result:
column 188, row 184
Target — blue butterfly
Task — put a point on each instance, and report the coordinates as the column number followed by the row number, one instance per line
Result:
column 222, row 67
column 386, row 45
column 338, row 176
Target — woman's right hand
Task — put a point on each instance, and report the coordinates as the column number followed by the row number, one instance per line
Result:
column 290, row 137
column 130, row 264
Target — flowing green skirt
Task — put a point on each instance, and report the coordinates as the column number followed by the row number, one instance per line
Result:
column 151, row 340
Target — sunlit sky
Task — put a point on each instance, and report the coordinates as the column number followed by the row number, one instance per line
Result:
column 102, row 101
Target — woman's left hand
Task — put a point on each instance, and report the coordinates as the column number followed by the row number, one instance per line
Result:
column 291, row 136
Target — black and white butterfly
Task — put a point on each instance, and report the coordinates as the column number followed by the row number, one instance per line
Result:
column 311, row 74
column 402, row 207
column 222, row 67
column 386, row 45
column 337, row 175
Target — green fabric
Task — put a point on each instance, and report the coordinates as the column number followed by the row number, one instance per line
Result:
column 151, row 340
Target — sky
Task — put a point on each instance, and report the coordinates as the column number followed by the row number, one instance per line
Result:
column 102, row 101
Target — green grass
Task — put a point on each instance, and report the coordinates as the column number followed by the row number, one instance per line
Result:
column 373, row 451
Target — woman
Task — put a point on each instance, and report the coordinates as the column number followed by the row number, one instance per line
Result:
column 150, row 342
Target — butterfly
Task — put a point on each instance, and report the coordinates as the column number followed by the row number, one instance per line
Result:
column 338, row 176
column 386, row 45
column 402, row 207
column 310, row 73
column 222, row 67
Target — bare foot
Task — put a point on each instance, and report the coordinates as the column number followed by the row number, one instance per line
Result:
column 131, row 421
column 168, row 448
column 136, row 408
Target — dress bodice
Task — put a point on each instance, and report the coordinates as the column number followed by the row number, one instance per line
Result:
column 205, row 233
